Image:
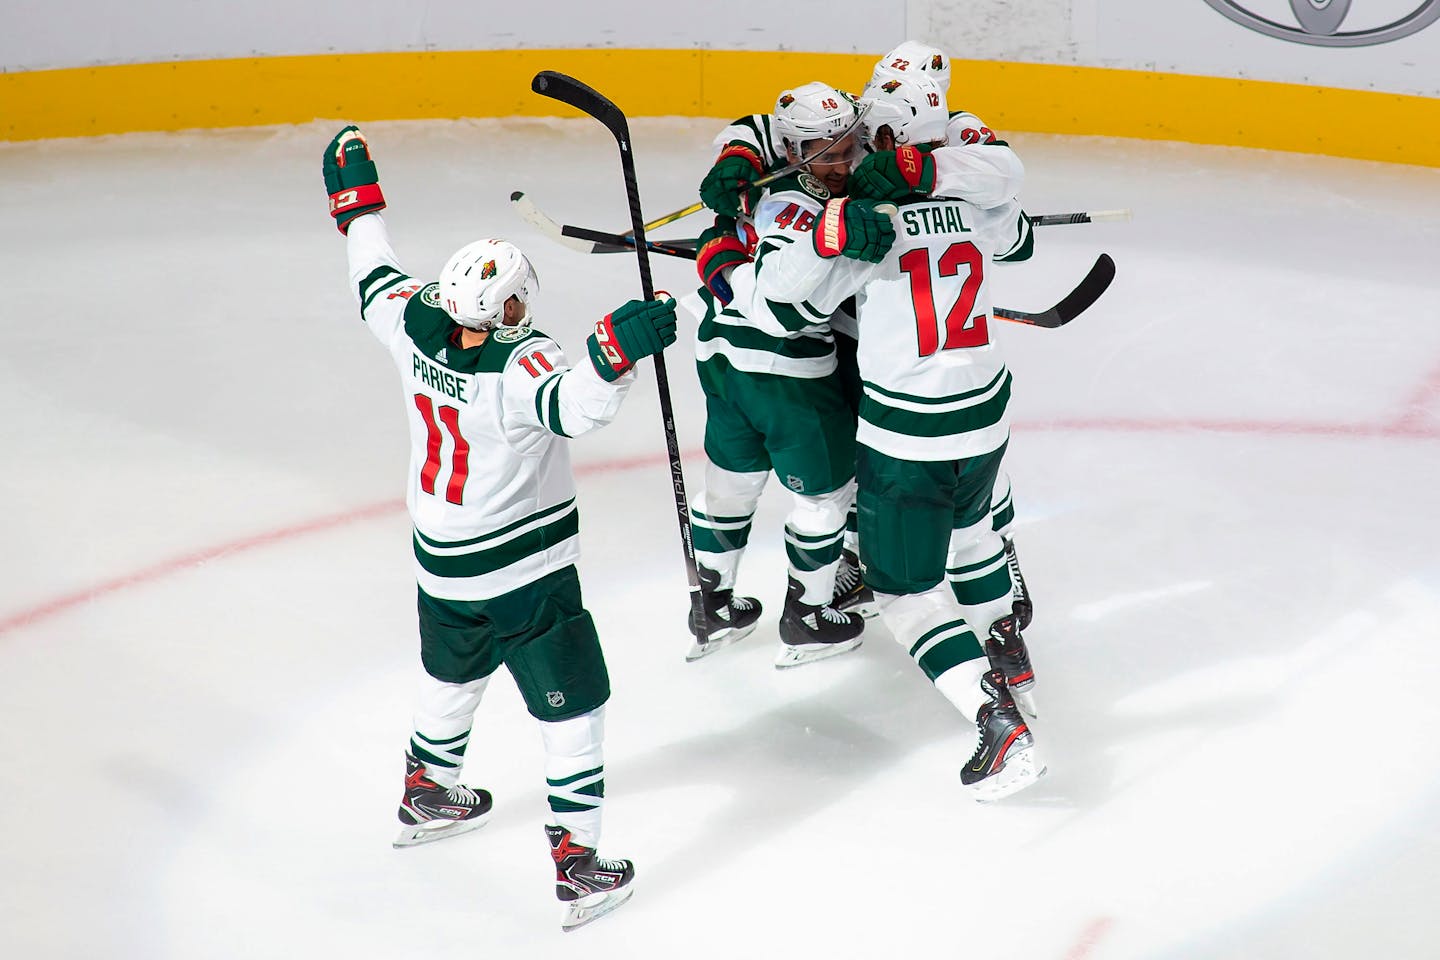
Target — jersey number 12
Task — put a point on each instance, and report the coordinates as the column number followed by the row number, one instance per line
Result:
column 961, row 328
column 459, row 459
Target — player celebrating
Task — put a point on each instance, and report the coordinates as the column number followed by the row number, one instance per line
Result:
column 773, row 399
column 933, row 422
column 749, row 149
column 492, row 497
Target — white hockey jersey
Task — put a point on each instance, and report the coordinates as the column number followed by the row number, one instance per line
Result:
column 786, row 337
column 490, row 490
column 935, row 385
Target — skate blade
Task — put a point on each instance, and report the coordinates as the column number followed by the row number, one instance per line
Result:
column 432, row 830
column 592, row 908
column 700, row 650
column 796, row 656
column 1022, row 768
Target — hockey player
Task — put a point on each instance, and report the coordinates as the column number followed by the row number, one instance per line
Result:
column 490, row 401
column 879, row 178
column 748, row 150
column 933, row 423
column 773, row 399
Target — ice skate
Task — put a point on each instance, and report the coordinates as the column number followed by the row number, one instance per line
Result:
column 432, row 812
column 589, row 886
column 1023, row 606
column 811, row 632
column 1006, row 650
column 1005, row 759
column 851, row 594
column 728, row 617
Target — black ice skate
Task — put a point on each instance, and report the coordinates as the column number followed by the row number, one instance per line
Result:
column 432, row 812
column 1005, row 759
column 1005, row 648
column 1023, row 606
column 727, row 617
column 589, row 886
column 809, row 632
column 851, row 594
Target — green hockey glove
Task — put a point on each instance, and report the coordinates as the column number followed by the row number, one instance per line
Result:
column 892, row 175
column 728, row 188
column 720, row 249
column 634, row 330
column 855, row 229
column 350, row 178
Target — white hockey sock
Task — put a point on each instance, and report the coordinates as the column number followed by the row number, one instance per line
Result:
column 814, row 537
column 575, row 773
column 932, row 628
column 961, row 686
column 444, row 715
column 720, row 516
column 978, row 574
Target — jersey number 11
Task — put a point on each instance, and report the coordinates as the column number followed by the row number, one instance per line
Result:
column 459, row 459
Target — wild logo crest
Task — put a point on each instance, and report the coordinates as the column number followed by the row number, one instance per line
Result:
column 430, row 295
column 488, row 270
column 890, row 86
column 785, row 101
column 937, row 62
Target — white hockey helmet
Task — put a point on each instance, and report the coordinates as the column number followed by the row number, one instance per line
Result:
column 813, row 111
column 911, row 56
column 478, row 279
column 912, row 106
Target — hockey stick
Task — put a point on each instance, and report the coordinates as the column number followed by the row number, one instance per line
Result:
column 1085, row 216
column 861, row 109
column 586, row 240
column 558, row 86
column 1076, row 302
column 591, row 241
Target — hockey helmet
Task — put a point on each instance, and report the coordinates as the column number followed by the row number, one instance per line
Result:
column 478, row 279
column 912, row 56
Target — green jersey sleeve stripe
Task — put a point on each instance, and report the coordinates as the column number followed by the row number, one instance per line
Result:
column 547, row 405
column 386, row 273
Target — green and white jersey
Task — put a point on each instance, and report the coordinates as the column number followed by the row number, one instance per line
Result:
column 964, row 127
column 758, row 132
column 935, row 386
column 789, row 337
column 490, row 489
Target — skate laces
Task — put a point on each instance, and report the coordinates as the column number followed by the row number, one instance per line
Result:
column 600, row 863
column 833, row 615
column 742, row 603
column 846, row 578
column 461, row 794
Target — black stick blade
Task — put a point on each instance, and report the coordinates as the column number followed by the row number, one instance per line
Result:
column 1076, row 302
column 566, row 89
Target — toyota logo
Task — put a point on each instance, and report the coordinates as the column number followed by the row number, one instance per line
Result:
column 1320, row 22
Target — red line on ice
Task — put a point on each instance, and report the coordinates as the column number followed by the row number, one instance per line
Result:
column 1412, row 422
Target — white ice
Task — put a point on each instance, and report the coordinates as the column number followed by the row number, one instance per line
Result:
column 1228, row 492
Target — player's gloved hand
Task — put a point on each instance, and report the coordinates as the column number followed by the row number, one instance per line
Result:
column 728, row 188
column 854, row 228
column 350, row 178
column 720, row 249
column 891, row 175
column 634, row 330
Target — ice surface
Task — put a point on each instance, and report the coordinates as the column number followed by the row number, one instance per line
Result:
column 1228, row 495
